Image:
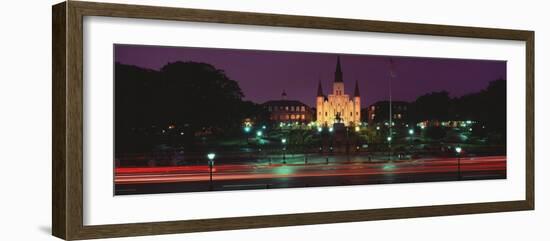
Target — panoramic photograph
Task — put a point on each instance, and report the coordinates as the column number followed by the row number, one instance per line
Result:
column 191, row 119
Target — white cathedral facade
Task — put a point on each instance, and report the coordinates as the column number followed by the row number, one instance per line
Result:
column 338, row 107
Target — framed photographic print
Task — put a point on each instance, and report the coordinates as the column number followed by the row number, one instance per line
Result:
column 170, row 120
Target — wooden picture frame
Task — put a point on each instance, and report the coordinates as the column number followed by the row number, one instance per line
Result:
column 67, row 159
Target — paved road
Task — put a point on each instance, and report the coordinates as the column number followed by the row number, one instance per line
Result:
column 254, row 176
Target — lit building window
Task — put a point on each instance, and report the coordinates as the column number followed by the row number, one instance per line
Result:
column 303, row 117
column 372, row 116
column 286, row 107
column 303, row 108
column 398, row 116
column 292, row 117
column 372, row 107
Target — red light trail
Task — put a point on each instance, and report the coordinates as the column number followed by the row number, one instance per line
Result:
column 199, row 173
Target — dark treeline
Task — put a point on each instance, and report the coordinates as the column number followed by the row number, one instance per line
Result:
column 487, row 108
column 182, row 99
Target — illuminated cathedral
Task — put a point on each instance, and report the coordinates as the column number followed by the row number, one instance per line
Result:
column 338, row 107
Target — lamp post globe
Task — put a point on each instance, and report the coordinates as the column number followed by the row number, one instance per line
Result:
column 458, row 149
column 211, row 156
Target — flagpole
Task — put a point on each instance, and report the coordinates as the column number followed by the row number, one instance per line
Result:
column 390, row 139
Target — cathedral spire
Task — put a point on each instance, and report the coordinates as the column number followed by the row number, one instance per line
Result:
column 319, row 89
column 356, row 94
column 338, row 73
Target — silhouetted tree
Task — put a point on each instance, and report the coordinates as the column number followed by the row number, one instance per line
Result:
column 192, row 97
column 432, row 106
column 134, row 107
column 198, row 96
column 488, row 107
column 495, row 103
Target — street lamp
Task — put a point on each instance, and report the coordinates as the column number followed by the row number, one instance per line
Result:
column 283, row 141
column 411, row 133
column 319, row 129
column 458, row 151
column 389, row 145
column 259, row 133
column 211, row 157
column 247, row 130
column 330, row 129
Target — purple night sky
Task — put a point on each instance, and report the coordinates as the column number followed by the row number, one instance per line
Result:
column 262, row 75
